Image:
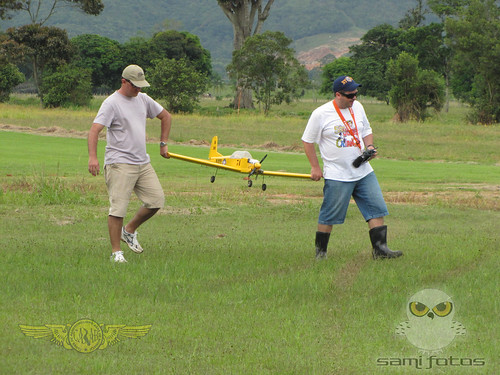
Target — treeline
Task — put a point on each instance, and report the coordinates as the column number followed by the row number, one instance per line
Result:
column 125, row 19
column 416, row 66
column 68, row 71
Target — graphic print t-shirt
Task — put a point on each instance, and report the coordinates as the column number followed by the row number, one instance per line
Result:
column 336, row 144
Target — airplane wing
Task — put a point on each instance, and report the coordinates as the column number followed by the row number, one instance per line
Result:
column 284, row 174
column 236, row 169
column 205, row 162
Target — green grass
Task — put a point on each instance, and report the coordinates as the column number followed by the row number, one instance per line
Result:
column 228, row 279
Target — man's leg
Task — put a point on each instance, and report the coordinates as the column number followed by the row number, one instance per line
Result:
column 336, row 197
column 321, row 241
column 370, row 201
column 129, row 231
column 376, row 222
column 142, row 215
column 148, row 189
column 115, row 231
column 378, row 238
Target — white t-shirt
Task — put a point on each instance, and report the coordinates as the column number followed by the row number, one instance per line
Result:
column 336, row 144
column 125, row 120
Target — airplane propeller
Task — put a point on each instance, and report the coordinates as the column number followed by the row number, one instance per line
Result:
column 255, row 170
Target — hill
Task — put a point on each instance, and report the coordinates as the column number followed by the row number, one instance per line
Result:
column 318, row 27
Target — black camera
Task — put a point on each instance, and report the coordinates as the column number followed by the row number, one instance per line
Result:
column 367, row 154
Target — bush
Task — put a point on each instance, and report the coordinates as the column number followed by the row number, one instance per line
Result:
column 413, row 90
column 178, row 83
column 67, row 86
column 10, row 77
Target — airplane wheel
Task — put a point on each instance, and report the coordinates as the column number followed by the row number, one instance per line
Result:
column 249, row 183
column 264, row 187
column 212, row 179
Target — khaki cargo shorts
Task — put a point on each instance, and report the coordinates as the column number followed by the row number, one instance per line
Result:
column 122, row 179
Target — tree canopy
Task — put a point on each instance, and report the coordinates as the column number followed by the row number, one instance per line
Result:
column 101, row 56
column 473, row 35
column 267, row 65
column 44, row 47
column 178, row 82
column 413, row 89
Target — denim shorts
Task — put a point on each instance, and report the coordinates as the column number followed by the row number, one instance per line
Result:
column 337, row 194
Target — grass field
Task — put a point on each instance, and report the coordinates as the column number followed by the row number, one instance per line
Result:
column 228, row 280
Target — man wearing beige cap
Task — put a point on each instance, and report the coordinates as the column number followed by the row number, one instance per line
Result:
column 127, row 166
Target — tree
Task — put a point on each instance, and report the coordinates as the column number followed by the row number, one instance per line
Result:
column 413, row 90
column 68, row 85
column 267, row 65
column 10, row 77
column 414, row 17
column 40, row 11
column 247, row 18
column 446, row 8
column 44, row 47
column 177, row 82
column 473, row 37
column 169, row 44
column 177, row 45
column 427, row 43
column 338, row 67
column 378, row 46
column 137, row 50
column 102, row 56
column 7, row 6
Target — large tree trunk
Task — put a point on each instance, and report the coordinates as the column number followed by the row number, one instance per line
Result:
column 243, row 14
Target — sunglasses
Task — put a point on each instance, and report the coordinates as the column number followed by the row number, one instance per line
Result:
column 134, row 86
column 349, row 96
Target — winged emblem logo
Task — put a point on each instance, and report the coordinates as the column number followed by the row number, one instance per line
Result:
column 85, row 335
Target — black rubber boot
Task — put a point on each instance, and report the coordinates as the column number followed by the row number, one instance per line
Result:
column 321, row 243
column 378, row 236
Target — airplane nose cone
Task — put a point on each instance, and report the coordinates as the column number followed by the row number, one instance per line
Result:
column 257, row 165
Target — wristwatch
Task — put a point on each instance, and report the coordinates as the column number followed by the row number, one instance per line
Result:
column 163, row 144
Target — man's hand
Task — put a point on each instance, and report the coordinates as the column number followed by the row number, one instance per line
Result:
column 164, row 152
column 94, row 166
column 316, row 173
column 92, row 144
column 372, row 147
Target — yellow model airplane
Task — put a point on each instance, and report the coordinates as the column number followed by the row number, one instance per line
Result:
column 239, row 161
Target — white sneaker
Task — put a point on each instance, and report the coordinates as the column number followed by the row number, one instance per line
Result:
column 118, row 257
column 131, row 240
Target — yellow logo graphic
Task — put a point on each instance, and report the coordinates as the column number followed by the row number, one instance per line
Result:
column 85, row 335
column 346, row 79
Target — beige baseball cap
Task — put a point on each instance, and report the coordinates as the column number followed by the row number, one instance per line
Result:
column 135, row 74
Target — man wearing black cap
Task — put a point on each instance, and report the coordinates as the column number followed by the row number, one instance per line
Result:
column 343, row 134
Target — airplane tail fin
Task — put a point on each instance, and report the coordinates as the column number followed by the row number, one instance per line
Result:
column 213, row 148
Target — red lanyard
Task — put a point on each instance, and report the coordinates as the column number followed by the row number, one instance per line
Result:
column 346, row 124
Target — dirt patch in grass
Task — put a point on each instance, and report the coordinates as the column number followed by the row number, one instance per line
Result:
column 346, row 276
column 487, row 198
column 278, row 199
column 57, row 131
column 53, row 130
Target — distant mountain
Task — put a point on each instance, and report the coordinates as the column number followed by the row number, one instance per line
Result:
column 319, row 28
